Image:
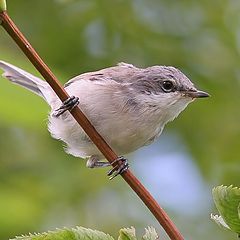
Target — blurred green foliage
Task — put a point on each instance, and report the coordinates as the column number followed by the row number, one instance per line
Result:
column 41, row 187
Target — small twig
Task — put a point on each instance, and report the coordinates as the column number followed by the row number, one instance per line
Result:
column 110, row 155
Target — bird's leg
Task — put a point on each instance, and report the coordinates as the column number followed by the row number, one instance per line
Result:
column 93, row 162
column 121, row 166
column 68, row 104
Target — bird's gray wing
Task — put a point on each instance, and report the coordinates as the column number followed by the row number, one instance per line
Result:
column 122, row 73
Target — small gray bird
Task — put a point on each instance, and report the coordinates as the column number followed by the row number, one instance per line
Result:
column 128, row 106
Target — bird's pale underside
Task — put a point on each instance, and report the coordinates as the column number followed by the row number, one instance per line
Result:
column 128, row 106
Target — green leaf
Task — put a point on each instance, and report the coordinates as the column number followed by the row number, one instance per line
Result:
column 81, row 233
column 86, row 233
column 227, row 201
column 78, row 233
column 127, row 234
column 150, row 234
column 3, row 5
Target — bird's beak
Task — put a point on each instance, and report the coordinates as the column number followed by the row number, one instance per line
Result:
column 196, row 94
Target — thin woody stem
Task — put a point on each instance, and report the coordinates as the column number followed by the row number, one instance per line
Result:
column 82, row 120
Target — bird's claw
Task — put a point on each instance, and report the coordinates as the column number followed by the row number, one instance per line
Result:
column 121, row 166
column 68, row 104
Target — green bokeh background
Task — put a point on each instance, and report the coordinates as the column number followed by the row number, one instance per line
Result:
column 41, row 187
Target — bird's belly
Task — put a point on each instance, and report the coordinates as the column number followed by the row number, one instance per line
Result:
column 123, row 139
column 126, row 141
column 128, row 137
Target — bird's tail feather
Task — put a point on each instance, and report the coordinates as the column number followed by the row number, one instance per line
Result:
column 27, row 80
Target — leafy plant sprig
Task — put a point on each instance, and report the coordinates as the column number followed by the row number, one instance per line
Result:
column 81, row 233
column 227, row 201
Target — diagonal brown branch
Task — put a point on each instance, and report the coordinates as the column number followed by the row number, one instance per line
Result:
column 110, row 155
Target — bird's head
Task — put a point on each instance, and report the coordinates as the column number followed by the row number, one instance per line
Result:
column 165, row 90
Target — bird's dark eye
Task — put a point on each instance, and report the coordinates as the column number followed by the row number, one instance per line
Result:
column 167, row 86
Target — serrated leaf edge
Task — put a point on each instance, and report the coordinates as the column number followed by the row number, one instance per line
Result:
column 150, row 231
column 220, row 221
column 74, row 230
